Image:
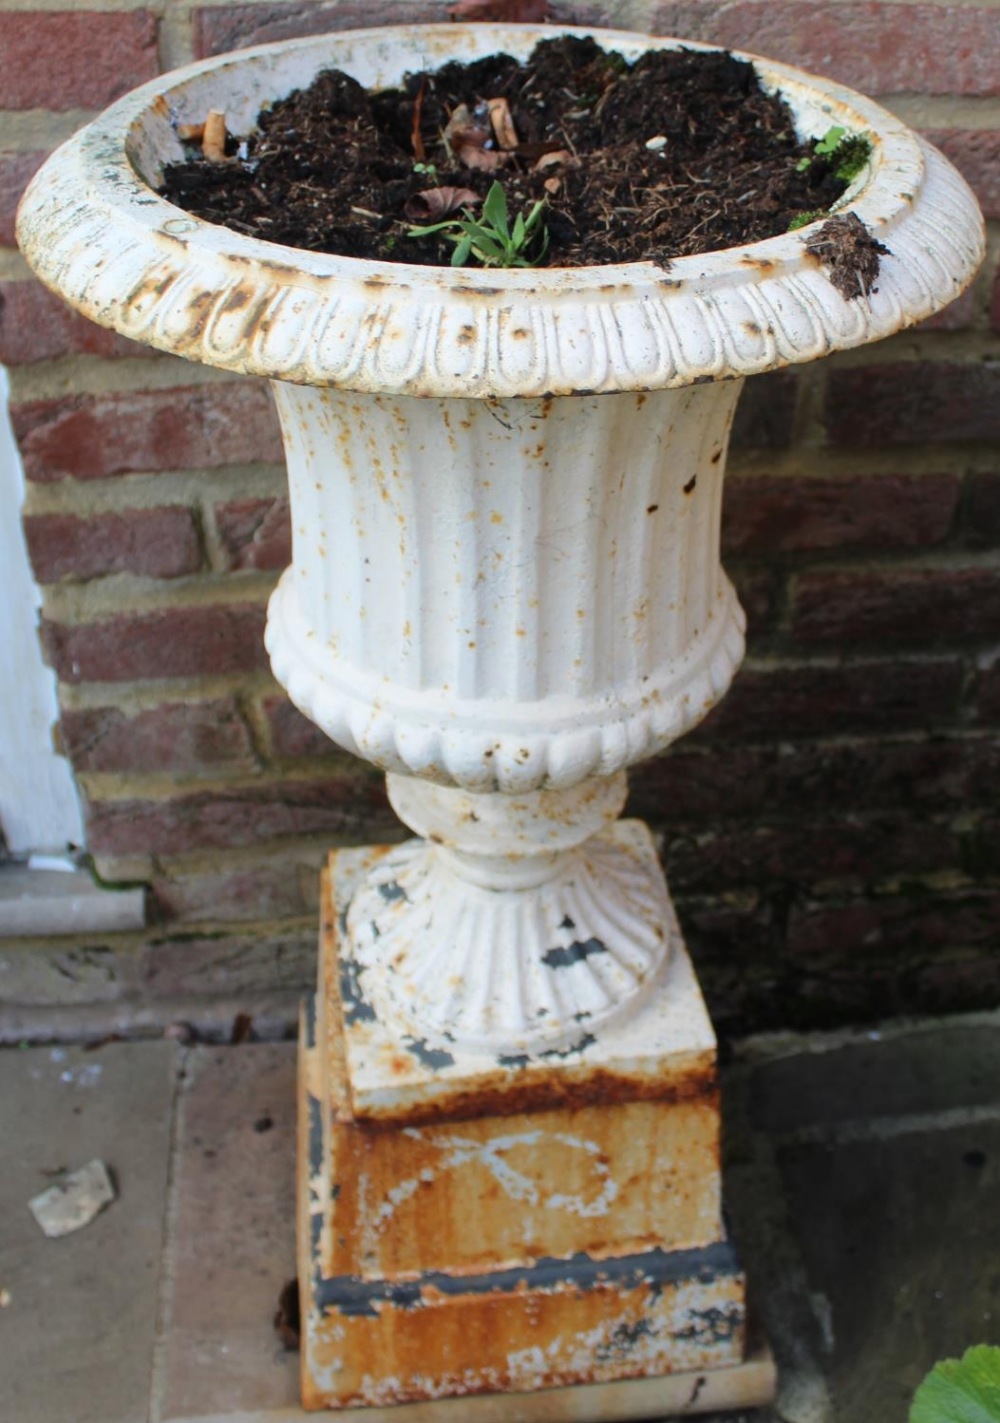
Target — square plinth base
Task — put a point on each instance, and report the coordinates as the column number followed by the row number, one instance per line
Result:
column 548, row 1254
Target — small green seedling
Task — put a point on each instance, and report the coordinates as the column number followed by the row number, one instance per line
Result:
column 490, row 237
column 429, row 168
column 847, row 152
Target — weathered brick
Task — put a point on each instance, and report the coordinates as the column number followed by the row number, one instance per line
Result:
column 804, row 700
column 759, row 591
column 958, row 315
column 94, row 436
column 903, row 927
column 981, row 512
column 804, row 854
column 293, row 736
column 705, row 787
column 159, row 543
column 975, row 153
column 37, row 326
column 765, row 415
column 879, row 48
column 16, row 172
column 182, row 737
column 196, row 641
column 274, row 886
column 913, row 403
column 233, row 966
column 907, row 606
column 348, row 808
column 987, row 695
column 255, row 533
column 66, row 59
column 224, row 27
column 769, row 514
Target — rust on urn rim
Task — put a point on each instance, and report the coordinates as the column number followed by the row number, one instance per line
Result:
column 130, row 260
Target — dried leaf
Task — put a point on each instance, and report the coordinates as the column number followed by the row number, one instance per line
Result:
column 463, row 130
column 503, row 124
column 483, row 160
column 552, row 185
column 517, row 11
column 432, row 204
column 562, row 158
column 416, row 139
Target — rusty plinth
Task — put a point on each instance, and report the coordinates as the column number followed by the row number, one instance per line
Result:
column 470, row 1228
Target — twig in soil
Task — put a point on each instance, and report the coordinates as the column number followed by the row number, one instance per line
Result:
column 416, row 138
column 213, row 141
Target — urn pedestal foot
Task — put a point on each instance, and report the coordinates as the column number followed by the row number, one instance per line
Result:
column 515, row 1236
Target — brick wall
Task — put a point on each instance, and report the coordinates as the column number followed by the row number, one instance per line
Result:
column 832, row 836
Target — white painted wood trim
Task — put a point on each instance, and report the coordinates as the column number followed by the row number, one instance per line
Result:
column 39, row 804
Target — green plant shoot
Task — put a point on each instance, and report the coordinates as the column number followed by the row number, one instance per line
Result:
column 847, row 152
column 490, row 237
column 965, row 1390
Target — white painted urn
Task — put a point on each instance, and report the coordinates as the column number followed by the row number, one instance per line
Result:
column 506, row 491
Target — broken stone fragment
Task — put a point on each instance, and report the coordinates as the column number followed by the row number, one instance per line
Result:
column 74, row 1201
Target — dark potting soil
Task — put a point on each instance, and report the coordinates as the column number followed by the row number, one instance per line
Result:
column 679, row 153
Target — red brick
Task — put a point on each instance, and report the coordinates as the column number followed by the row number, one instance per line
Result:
column 910, row 607
column 16, row 171
column 765, row 414
column 796, row 701
column 987, row 695
column 705, row 787
column 976, row 154
column 804, row 854
column 981, row 512
column 200, row 641
column 255, row 533
column 879, row 48
column 275, row 886
column 913, row 403
column 902, row 927
column 958, row 315
column 94, row 436
column 37, row 326
column 759, row 592
column 770, row 515
column 182, row 737
column 158, row 543
column 293, row 736
column 349, row 808
column 225, row 27
column 74, row 59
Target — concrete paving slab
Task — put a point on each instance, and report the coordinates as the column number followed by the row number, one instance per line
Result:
column 930, row 1068
column 901, row 1239
column 76, row 1338
column 232, row 1238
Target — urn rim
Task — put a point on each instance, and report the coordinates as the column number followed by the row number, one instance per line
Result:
column 94, row 229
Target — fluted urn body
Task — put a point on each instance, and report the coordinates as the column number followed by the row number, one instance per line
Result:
column 506, row 493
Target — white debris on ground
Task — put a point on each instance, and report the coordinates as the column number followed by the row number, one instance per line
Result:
column 74, row 1201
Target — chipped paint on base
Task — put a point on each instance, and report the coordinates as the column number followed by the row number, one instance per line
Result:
column 663, row 1049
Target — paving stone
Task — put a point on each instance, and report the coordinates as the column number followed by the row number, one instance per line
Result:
column 233, row 1237
column 956, row 1065
column 76, row 1339
column 901, row 1240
